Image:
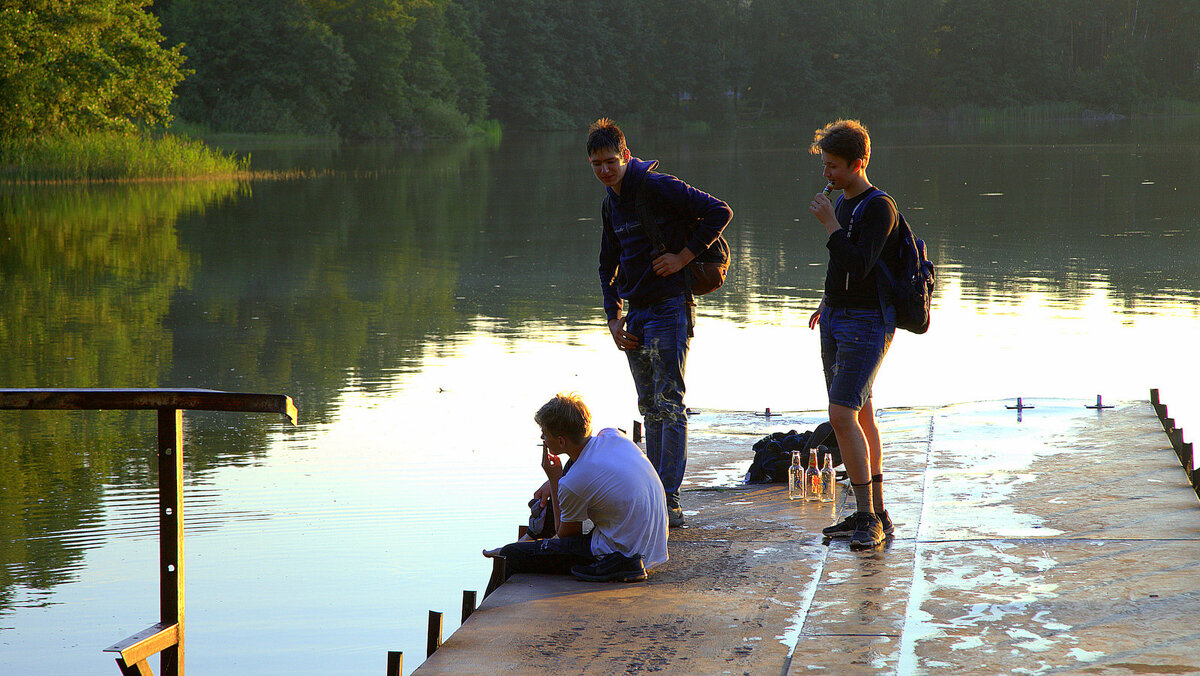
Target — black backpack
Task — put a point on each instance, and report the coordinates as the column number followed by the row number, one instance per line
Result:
column 706, row 273
column 773, row 453
column 910, row 279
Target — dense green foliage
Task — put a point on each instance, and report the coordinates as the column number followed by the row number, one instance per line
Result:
column 391, row 68
column 436, row 66
column 265, row 66
column 78, row 66
column 711, row 60
column 364, row 68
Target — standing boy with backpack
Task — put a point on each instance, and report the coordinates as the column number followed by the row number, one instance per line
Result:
column 856, row 325
column 646, row 267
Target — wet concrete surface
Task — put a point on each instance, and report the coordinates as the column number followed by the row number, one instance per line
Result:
column 1065, row 542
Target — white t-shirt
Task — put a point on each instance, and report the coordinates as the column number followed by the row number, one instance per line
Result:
column 613, row 484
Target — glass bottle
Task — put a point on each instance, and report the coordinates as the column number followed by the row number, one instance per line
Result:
column 812, row 478
column 827, row 479
column 795, row 478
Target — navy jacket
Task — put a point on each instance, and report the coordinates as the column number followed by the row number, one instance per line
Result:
column 686, row 216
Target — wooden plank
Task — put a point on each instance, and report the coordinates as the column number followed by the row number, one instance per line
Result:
column 395, row 662
column 499, row 575
column 97, row 398
column 146, row 643
column 435, row 633
column 170, row 534
column 468, row 604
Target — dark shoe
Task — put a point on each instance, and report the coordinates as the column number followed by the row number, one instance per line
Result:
column 869, row 532
column 842, row 529
column 846, row 527
column 674, row 517
column 614, row 567
column 886, row 522
column 674, row 512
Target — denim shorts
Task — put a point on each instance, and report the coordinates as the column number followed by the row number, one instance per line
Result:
column 853, row 342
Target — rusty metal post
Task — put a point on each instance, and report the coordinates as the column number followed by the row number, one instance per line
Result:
column 468, row 606
column 1175, row 434
column 499, row 575
column 170, row 533
column 395, row 662
column 435, row 633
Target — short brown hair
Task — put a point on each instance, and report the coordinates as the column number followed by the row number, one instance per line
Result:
column 848, row 139
column 565, row 415
column 604, row 134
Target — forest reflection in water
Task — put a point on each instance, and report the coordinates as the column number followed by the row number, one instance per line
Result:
column 419, row 304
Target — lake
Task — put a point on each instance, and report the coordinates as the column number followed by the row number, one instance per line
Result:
column 419, row 304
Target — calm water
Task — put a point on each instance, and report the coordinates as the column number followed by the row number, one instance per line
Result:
column 419, row 305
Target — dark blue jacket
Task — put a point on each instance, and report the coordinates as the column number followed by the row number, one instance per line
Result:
column 686, row 217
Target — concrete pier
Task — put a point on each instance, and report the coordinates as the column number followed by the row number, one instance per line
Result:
column 1055, row 539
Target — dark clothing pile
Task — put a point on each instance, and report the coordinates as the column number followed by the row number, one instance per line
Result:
column 773, row 453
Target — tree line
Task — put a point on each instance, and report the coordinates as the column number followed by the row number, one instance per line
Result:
column 392, row 68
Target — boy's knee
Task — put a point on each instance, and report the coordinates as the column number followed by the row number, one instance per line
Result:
column 842, row 417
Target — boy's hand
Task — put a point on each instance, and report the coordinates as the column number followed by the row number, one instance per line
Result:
column 815, row 318
column 542, row 494
column 669, row 264
column 552, row 466
column 624, row 339
column 822, row 208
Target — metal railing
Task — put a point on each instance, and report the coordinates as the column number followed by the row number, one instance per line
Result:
column 166, row 637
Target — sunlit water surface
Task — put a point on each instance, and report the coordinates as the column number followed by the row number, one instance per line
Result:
column 419, row 305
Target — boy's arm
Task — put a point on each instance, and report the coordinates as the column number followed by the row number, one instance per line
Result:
column 610, row 262
column 711, row 215
column 564, row 528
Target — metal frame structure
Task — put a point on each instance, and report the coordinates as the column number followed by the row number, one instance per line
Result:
column 166, row 637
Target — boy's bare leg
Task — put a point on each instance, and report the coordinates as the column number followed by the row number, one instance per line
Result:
column 870, row 430
column 855, row 452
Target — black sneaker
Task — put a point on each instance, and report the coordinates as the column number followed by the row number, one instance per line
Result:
column 846, row 527
column 614, row 567
column 886, row 522
column 674, row 512
column 869, row 532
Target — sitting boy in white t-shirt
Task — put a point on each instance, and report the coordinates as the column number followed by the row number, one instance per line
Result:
column 613, row 484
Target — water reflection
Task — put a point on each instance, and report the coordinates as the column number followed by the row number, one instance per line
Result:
column 419, row 304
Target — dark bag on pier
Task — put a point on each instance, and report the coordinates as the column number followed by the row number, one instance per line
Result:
column 773, row 453
column 910, row 279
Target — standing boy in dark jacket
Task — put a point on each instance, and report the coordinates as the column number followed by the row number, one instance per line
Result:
column 856, row 330
column 657, row 325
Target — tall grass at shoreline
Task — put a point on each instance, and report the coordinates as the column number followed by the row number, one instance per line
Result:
column 113, row 156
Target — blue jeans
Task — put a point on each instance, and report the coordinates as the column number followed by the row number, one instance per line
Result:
column 657, row 365
column 853, row 342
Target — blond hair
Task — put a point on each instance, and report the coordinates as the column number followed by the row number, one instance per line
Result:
column 565, row 415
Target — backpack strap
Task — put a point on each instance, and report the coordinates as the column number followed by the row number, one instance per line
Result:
column 858, row 208
column 886, row 292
